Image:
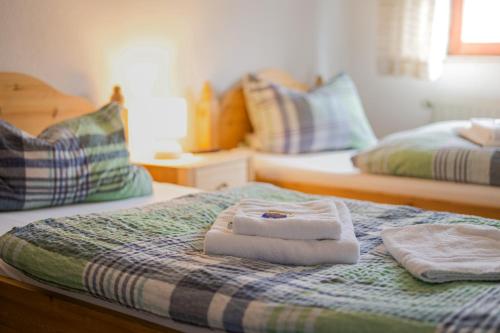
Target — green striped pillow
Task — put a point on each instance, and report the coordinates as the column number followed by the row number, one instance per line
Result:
column 327, row 118
column 79, row 160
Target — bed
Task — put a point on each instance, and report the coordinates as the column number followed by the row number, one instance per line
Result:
column 333, row 173
column 137, row 265
column 26, row 305
column 159, row 273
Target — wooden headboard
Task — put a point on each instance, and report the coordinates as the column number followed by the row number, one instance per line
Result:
column 234, row 124
column 33, row 105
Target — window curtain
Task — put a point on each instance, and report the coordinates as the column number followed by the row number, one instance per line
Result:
column 413, row 37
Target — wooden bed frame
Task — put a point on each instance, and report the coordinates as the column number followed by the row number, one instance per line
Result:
column 32, row 105
column 25, row 308
column 234, row 125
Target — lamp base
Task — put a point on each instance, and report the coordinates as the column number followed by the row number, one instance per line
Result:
column 167, row 155
column 168, row 150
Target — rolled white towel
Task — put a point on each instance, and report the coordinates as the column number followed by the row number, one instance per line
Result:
column 483, row 131
column 443, row 252
column 316, row 219
column 220, row 240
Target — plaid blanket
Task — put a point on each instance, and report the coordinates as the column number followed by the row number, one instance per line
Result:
column 151, row 259
column 435, row 152
column 79, row 160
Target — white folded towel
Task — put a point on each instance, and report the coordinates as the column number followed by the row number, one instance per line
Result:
column 483, row 131
column 442, row 252
column 316, row 219
column 220, row 240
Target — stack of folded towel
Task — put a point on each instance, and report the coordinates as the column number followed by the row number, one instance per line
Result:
column 308, row 233
column 483, row 131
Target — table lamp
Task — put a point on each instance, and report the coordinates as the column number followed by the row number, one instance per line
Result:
column 168, row 126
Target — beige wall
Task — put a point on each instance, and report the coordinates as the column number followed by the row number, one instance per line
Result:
column 84, row 47
column 394, row 103
column 81, row 47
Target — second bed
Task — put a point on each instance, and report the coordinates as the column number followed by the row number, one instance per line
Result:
column 333, row 173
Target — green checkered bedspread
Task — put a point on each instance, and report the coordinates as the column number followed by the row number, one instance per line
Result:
column 151, row 259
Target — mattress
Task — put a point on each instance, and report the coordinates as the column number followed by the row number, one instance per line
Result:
column 334, row 169
column 161, row 192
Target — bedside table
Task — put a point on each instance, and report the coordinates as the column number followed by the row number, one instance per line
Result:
column 208, row 171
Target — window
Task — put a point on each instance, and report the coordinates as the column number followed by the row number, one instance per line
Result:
column 475, row 27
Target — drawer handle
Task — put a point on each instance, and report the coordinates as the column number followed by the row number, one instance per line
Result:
column 222, row 186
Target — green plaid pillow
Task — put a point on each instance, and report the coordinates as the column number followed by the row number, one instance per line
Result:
column 434, row 151
column 327, row 118
column 79, row 160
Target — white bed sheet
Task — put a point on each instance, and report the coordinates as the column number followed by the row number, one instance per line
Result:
column 161, row 192
column 336, row 169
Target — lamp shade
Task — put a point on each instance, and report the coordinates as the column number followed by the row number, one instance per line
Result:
column 168, row 118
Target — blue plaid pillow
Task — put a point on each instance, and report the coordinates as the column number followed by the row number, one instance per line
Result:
column 327, row 118
column 79, row 160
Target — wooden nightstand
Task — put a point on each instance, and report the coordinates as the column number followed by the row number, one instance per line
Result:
column 209, row 171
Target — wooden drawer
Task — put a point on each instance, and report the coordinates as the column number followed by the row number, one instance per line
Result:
column 217, row 177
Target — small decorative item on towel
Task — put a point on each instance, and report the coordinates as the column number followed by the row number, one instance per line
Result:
column 275, row 214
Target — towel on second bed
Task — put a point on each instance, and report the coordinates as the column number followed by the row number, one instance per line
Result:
column 445, row 252
column 222, row 240
column 483, row 131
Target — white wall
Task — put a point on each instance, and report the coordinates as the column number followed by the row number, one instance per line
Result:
column 334, row 37
column 75, row 44
column 394, row 104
